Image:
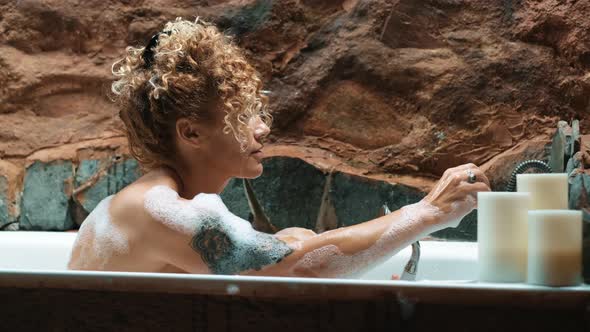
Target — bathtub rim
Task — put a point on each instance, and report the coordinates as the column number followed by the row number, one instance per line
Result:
column 434, row 292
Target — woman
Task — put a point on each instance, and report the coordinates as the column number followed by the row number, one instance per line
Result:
column 195, row 118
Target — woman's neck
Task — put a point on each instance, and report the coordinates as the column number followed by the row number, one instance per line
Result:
column 192, row 182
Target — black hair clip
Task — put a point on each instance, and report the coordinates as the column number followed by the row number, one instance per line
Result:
column 148, row 52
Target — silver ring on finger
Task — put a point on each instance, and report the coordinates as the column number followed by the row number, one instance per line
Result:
column 471, row 178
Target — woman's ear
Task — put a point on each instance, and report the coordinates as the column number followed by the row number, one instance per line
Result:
column 186, row 132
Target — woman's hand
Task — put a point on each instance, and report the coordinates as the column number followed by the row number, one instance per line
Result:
column 453, row 196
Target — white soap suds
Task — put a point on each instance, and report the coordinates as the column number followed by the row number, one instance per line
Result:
column 165, row 205
column 401, row 233
column 227, row 242
column 100, row 239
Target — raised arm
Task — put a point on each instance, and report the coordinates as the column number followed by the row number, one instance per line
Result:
column 348, row 251
column 202, row 236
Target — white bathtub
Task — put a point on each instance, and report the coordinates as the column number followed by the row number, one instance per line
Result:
column 50, row 251
column 32, row 259
column 33, row 278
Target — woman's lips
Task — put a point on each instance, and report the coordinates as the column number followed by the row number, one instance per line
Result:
column 258, row 155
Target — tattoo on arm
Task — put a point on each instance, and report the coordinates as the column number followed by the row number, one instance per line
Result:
column 227, row 243
column 226, row 250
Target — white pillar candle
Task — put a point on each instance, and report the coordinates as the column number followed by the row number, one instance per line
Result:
column 555, row 247
column 548, row 191
column 502, row 236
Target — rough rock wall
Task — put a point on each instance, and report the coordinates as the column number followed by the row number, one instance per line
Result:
column 395, row 90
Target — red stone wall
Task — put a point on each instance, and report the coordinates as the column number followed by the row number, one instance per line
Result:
column 402, row 87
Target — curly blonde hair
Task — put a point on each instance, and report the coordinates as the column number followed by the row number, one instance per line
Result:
column 196, row 70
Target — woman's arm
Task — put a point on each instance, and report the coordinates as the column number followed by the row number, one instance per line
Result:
column 223, row 243
column 350, row 250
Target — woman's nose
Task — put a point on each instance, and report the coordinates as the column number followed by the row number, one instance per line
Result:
column 261, row 130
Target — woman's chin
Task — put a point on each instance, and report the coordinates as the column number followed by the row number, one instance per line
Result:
column 253, row 171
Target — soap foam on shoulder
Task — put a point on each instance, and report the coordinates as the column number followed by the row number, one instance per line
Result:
column 227, row 243
column 165, row 205
column 109, row 239
column 99, row 239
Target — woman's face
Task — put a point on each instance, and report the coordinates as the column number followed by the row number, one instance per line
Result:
column 224, row 151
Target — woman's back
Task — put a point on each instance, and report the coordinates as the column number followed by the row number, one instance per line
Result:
column 116, row 235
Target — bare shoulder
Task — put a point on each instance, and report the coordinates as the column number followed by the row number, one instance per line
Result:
column 153, row 204
column 130, row 203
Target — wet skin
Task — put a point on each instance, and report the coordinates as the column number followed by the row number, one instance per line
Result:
column 207, row 160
